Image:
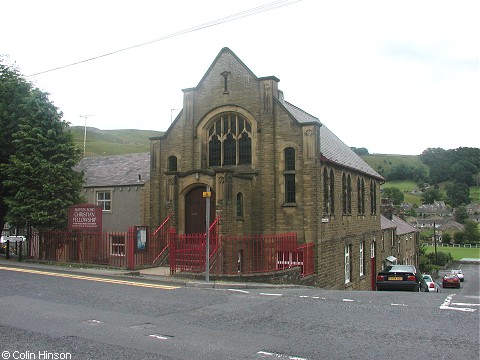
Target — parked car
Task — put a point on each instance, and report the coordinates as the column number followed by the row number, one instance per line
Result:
column 400, row 277
column 459, row 273
column 451, row 280
column 430, row 284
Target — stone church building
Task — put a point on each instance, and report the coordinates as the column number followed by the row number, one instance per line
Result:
column 272, row 168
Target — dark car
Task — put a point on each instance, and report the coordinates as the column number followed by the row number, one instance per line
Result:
column 451, row 280
column 400, row 277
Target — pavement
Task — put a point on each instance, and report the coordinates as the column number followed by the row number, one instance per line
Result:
column 157, row 275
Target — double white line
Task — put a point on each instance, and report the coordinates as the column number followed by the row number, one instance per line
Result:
column 91, row 278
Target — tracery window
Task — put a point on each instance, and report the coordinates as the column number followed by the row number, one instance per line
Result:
column 230, row 141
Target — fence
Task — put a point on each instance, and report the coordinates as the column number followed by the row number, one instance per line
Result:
column 233, row 255
column 439, row 244
column 228, row 255
column 131, row 249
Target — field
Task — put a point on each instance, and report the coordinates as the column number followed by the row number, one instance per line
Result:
column 113, row 142
column 458, row 253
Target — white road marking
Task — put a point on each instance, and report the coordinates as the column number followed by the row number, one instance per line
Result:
column 160, row 337
column 270, row 294
column 279, row 356
column 465, row 304
column 448, row 301
column 347, row 300
column 240, row 291
column 399, row 305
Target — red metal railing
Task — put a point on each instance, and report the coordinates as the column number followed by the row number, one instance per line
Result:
column 109, row 248
column 160, row 241
column 247, row 254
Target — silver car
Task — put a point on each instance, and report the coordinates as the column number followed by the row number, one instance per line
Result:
column 431, row 285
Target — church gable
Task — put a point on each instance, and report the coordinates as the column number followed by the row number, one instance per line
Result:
column 228, row 81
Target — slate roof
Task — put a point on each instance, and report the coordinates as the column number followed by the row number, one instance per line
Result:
column 115, row 170
column 331, row 147
column 402, row 226
column 386, row 223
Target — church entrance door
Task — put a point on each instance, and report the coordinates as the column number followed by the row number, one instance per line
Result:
column 195, row 211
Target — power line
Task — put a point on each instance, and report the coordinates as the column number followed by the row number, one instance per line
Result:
column 250, row 12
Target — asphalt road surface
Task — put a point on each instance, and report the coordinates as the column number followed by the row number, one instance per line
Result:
column 47, row 316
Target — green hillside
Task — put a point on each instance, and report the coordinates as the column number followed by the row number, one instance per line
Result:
column 113, row 142
column 383, row 163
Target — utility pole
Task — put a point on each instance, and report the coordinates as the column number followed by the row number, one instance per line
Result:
column 435, row 240
column 85, row 134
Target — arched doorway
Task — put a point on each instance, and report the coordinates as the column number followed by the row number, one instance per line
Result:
column 195, row 210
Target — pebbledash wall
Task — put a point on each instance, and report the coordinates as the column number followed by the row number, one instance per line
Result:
column 272, row 168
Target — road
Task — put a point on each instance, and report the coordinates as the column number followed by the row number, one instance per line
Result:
column 77, row 317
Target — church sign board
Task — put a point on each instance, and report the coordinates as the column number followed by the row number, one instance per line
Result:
column 85, row 217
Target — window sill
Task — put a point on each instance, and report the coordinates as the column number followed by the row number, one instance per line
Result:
column 289, row 205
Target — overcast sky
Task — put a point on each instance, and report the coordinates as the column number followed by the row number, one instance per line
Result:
column 395, row 77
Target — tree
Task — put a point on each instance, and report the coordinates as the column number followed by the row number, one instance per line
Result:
column 458, row 194
column 463, row 172
column 38, row 182
column 13, row 91
column 394, row 194
column 472, row 234
column 461, row 214
column 431, row 195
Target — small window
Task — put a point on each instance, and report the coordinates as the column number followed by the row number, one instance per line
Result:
column 172, row 163
column 118, row 245
column 104, row 200
column 239, row 205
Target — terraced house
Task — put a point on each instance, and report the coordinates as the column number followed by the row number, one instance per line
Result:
column 272, row 168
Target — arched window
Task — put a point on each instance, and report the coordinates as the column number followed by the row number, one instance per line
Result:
column 326, row 194
column 332, row 192
column 172, row 163
column 361, row 196
column 289, row 175
column 346, row 194
column 230, row 141
column 239, row 205
column 373, row 197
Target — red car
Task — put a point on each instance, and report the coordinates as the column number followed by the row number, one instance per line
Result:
column 451, row 280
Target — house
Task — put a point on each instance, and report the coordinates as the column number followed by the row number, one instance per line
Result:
column 399, row 242
column 120, row 185
column 438, row 208
column 270, row 168
column 449, row 227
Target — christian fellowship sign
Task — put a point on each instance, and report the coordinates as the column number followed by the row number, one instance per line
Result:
column 85, row 217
